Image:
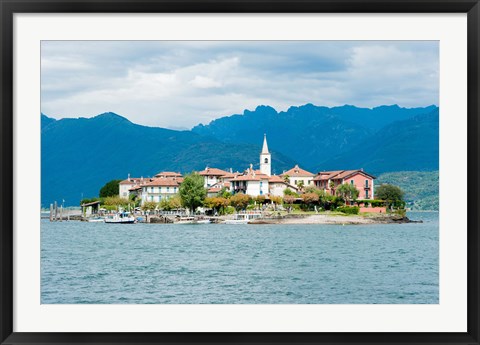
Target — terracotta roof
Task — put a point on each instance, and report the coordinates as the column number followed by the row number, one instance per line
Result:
column 297, row 171
column 251, row 175
column 135, row 187
column 339, row 174
column 276, row 179
column 132, row 180
column 230, row 175
column 260, row 174
column 167, row 182
column 326, row 175
column 168, row 174
column 214, row 189
column 221, row 185
column 349, row 173
column 213, row 172
column 246, row 178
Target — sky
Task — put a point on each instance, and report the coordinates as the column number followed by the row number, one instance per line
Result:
column 179, row 84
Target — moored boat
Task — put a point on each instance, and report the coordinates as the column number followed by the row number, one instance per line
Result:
column 243, row 218
column 96, row 219
column 120, row 218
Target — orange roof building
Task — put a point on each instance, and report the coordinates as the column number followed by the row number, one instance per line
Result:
column 330, row 180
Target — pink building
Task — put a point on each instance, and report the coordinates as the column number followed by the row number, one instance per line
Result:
column 330, row 180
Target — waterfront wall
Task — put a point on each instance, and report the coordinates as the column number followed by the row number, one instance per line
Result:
column 373, row 210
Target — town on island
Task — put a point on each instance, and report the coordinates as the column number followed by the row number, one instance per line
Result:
column 253, row 196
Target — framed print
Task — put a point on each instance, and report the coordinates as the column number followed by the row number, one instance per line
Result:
column 239, row 172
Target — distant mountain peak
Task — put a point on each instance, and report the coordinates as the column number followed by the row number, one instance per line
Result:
column 111, row 116
column 261, row 110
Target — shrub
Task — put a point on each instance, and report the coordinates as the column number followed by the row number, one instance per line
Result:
column 349, row 209
column 229, row 210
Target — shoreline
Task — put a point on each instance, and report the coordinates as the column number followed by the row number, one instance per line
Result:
column 336, row 219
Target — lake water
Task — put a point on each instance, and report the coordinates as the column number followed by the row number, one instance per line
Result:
column 267, row 264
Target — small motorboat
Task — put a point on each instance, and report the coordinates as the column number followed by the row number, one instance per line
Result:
column 120, row 218
column 243, row 218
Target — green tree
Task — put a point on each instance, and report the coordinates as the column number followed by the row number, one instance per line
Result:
column 192, row 192
column 288, row 191
column 300, row 185
column 347, row 192
column 392, row 194
column 224, row 193
column 110, row 189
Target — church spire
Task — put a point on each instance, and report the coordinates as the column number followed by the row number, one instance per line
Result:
column 265, row 146
column 265, row 158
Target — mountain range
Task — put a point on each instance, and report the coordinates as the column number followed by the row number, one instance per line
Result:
column 80, row 155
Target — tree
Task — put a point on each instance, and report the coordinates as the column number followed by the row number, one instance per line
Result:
column 217, row 203
column 300, row 185
column 149, row 206
column 175, row 202
column 239, row 201
column 289, row 199
column 288, row 191
column 347, row 192
column 224, row 193
column 286, row 178
column 392, row 194
column 110, row 189
column 192, row 192
column 260, row 199
column 115, row 201
column 310, row 198
column 276, row 200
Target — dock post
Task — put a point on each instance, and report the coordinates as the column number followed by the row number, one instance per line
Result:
column 51, row 212
column 61, row 213
column 56, row 210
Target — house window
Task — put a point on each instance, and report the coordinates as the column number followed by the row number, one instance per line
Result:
column 351, row 182
column 174, row 189
column 151, row 189
column 159, row 198
column 151, row 197
column 168, row 189
column 266, row 160
column 366, row 194
column 366, row 183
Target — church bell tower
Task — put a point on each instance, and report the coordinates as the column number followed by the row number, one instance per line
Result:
column 265, row 158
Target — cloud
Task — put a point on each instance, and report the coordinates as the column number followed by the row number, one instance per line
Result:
column 180, row 84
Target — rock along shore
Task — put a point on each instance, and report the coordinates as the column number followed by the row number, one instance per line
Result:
column 335, row 219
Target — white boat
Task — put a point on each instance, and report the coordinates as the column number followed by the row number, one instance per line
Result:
column 96, row 219
column 120, row 218
column 191, row 220
column 243, row 218
column 184, row 220
column 202, row 221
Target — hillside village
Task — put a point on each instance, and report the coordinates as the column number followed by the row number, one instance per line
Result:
column 261, row 182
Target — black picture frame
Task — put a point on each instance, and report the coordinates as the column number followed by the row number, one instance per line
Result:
column 9, row 7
